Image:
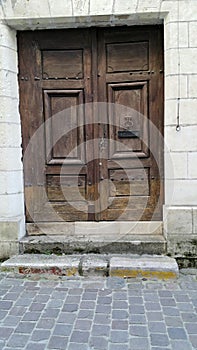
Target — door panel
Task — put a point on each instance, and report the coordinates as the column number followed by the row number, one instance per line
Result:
column 130, row 66
column 66, row 171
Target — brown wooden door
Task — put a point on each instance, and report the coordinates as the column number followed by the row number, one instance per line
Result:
column 93, row 162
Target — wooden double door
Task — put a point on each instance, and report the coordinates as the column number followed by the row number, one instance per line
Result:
column 91, row 102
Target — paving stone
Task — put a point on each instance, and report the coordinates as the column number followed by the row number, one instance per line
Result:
column 79, row 337
column 62, row 330
column 170, row 311
column 167, row 302
column 87, row 305
column 41, row 298
column 114, row 346
column 177, row 333
column 117, row 336
column 31, row 316
column 99, row 343
column 35, row 346
column 11, row 321
column 103, row 309
column 75, row 291
column 173, row 321
column 193, row 339
column 18, row 310
column 152, row 306
column 159, row 339
column 115, row 283
column 189, row 317
column 165, row 294
column 56, row 342
column 137, row 343
column 157, row 327
column 70, row 307
column 45, row 323
column 25, row 327
column 191, row 328
column 36, row 307
column 100, row 330
column 120, row 295
column 40, row 335
column 180, row 345
column 18, row 340
column 120, row 325
column 89, row 296
column 75, row 346
column 50, row 313
column 138, row 319
column 11, row 296
column 154, row 316
column 102, row 319
column 5, row 332
column 137, row 309
column 67, row 318
column 73, row 299
column 5, row 305
column 23, row 302
column 182, row 298
column 140, row 331
column 120, row 314
column 84, row 325
column 3, row 314
column 120, row 304
column 104, row 300
column 86, row 314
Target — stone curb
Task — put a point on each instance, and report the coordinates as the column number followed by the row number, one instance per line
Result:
column 124, row 266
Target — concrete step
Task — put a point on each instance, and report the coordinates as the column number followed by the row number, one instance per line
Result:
column 97, row 244
column 124, row 266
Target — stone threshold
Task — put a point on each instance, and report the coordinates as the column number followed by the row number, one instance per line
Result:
column 91, row 243
column 124, row 266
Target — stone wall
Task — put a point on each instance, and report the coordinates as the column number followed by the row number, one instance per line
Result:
column 180, row 25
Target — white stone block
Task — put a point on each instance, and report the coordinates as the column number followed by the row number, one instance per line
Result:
column 192, row 166
column 7, row 8
column 11, row 205
column 180, row 192
column 185, row 140
column 188, row 60
column 178, row 164
column 188, row 111
column 192, row 86
column 101, row 7
column 8, row 84
column 8, row 59
column 32, row 8
column 148, row 6
column 195, row 220
column 8, row 249
column 125, row 6
column 172, row 86
column 176, row 35
column 10, row 135
column 171, row 61
column 192, row 34
column 187, row 10
column 8, row 37
column 80, row 7
column 11, row 182
column 60, row 8
column 178, row 221
column 170, row 111
column 9, row 111
column 10, row 159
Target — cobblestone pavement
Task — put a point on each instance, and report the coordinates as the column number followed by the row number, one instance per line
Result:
column 39, row 313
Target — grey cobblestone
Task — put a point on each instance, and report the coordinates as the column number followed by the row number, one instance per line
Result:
column 97, row 314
